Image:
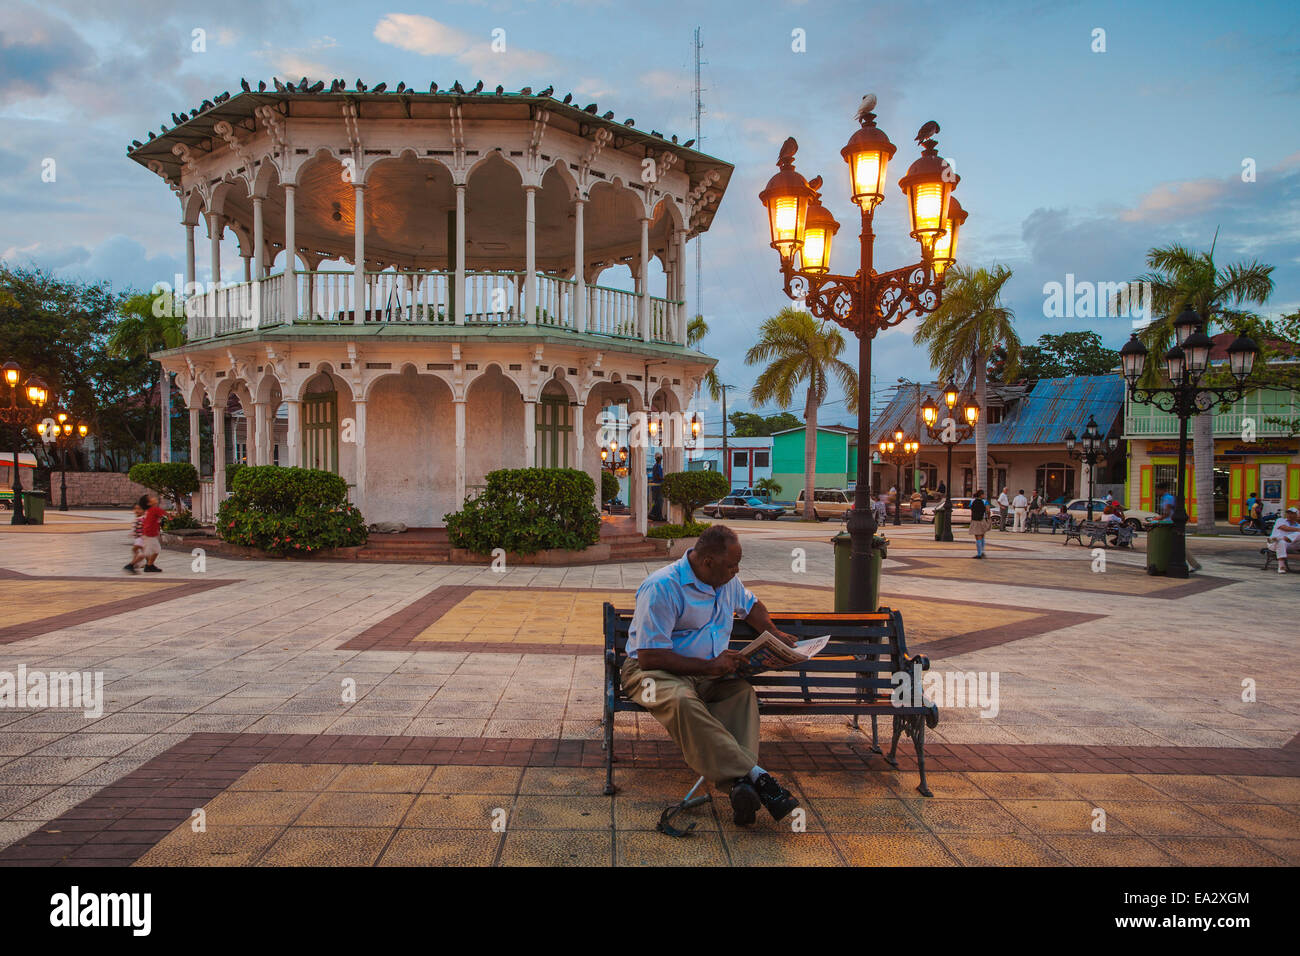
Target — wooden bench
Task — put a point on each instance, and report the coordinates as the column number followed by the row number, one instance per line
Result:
column 851, row 677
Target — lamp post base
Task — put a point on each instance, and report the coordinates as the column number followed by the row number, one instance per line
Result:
column 862, row 530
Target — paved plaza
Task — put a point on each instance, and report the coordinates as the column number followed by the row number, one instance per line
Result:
column 386, row 714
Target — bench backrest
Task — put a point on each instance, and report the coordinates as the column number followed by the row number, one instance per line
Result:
column 864, row 651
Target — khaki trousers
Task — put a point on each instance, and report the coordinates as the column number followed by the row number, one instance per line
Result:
column 714, row 720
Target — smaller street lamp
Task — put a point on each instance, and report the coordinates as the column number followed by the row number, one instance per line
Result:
column 949, row 432
column 898, row 451
column 1090, row 449
column 61, row 434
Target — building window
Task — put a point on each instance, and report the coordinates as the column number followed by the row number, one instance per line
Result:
column 762, row 459
column 1055, row 480
column 929, row 473
column 320, row 437
column 740, row 459
column 994, row 414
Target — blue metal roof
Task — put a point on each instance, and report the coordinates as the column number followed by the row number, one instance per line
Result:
column 1041, row 417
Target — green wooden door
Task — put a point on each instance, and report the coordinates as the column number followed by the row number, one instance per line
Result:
column 320, row 433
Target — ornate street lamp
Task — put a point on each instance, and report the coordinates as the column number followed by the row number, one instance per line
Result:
column 1090, row 449
column 37, row 393
column 1185, row 396
column 614, row 456
column 949, row 432
column 897, row 451
column 867, row 301
column 62, row 434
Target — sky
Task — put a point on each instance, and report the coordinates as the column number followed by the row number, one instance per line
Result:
column 1084, row 133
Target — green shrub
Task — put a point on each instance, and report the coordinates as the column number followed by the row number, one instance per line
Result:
column 675, row 532
column 526, row 510
column 289, row 511
column 272, row 488
column 231, row 470
column 180, row 521
column 608, row 486
column 172, row 480
column 691, row 489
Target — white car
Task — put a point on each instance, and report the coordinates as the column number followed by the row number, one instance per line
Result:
column 1135, row 518
column 960, row 512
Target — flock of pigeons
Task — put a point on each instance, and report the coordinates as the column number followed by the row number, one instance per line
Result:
column 338, row 86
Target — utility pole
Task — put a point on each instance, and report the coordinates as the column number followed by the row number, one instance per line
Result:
column 726, row 458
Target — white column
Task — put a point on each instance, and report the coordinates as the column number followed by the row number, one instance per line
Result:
column 248, row 268
column 359, row 495
column 459, row 405
column 259, row 240
column 214, row 235
column 680, row 293
column 290, row 296
column 189, row 258
column 460, row 264
column 639, row 488
column 576, row 418
column 643, row 272
column 253, row 424
column 359, row 255
column 293, row 437
column 530, row 255
column 218, row 454
column 194, row 437
column 579, row 256
column 530, row 434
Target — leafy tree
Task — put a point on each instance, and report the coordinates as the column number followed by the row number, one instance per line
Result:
column 1058, row 356
column 770, row 485
column 962, row 335
column 799, row 351
column 141, row 329
column 750, row 425
column 693, row 489
column 1179, row 277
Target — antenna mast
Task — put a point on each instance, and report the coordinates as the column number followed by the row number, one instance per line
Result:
column 699, row 140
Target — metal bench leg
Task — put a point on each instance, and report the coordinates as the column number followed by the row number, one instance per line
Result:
column 875, row 732
column 609, row 755
column 918, row 738
column 891, row 758
column 688, row 802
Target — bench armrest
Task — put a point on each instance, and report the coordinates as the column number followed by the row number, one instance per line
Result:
column 910, row 660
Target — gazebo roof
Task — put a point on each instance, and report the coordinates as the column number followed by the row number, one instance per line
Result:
column 199, row 130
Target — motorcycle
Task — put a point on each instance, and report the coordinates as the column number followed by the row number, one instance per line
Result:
column 1263, row 526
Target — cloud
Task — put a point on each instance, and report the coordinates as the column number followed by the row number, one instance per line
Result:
column 120, row 259
column 489, row 55
column 36, row 52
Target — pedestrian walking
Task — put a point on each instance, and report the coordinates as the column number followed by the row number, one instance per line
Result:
column 980, row 522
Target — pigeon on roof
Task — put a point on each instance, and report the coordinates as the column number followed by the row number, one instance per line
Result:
column 457, row 88
column 279, row 87
column 568, row 98
column 401, row 86
column 316, row 87
column 151, row 135
column 689, row 143
column 609, row 115
column 547, row 92
column 360, row 87
column 136, row 143
column 379, row 87
column 261, row 86
column 478, row 87
column 177, row 120
column 243, row 85
column 526, row 91
column 336, row 85
column 205, row 106
column 500, row 89
column 867, row 108
column 629, row 122
column 674, row 137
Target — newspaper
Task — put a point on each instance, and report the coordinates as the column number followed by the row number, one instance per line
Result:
column 767, row 652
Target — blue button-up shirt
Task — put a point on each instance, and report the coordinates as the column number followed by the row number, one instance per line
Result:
column 678, row 612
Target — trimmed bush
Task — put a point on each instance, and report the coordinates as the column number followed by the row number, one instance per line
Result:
column 608, row 486
column 287, row 511
column 675, row 532
column 692, row 489
column 170, row 479
column 526, row 510
column 180, row 521
column 231, row 471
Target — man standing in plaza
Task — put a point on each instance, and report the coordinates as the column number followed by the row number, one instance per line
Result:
column 681, row 670
column 1004, row 508
column 1020, row 505
column 657, row 489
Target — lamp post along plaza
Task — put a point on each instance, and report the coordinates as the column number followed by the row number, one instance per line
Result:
column 897, row 451
column 949, row 432
column 1090, row 449
column 1185, row 396
column 867, row 301
column 16, row 415
column 61, row 433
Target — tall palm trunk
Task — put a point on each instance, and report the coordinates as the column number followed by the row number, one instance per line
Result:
column 165, row 407
column 810, row 456
column 1203, row 470
column 981, row 428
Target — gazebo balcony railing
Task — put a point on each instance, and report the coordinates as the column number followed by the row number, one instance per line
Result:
column 428, row 298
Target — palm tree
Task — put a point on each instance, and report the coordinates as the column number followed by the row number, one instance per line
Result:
column 962, row 334
column 1180, row 277
column 798, row 350
column 696, row 329
column 140, row 330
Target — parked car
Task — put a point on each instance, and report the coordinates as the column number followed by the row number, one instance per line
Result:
column 736, row 506
column 761, row 493
column 828, row 503
column 960, row 512
column 1135, row 518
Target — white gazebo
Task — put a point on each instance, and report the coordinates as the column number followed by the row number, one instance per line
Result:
column 468, row 330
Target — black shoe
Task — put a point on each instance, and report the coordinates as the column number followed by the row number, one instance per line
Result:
column 778, row 800
column 744, row 802
column 129, row 569
column 153, row 567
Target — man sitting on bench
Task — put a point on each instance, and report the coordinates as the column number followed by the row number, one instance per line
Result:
column 680, row 669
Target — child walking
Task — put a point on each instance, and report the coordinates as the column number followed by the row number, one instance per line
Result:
column 137, row 534
column 150, row 540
